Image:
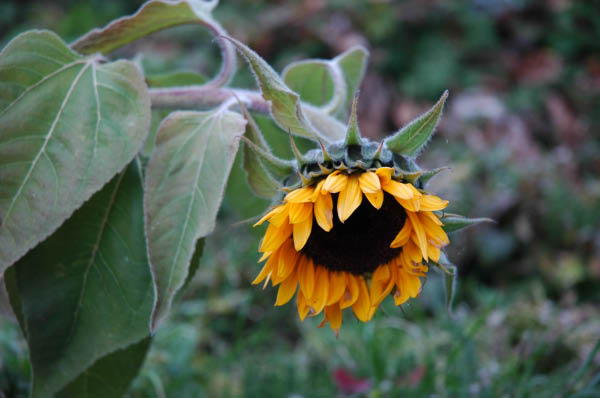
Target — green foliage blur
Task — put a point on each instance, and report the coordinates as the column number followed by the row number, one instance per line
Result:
column 520, row 134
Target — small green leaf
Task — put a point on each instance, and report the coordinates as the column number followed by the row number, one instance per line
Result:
column 67, row 125
column 455, row 222
column 153, row 16
column 255, row 148
column 353, row 63
column 286, row 108
column 118, row 368
column 427, row 175
column 185, row 180
column 319, row 82
column 328, row 84
column 255, row 141
column 412, row 138
column 353, row 133
column 260, row 181
column 87, row 290
column 174, row 79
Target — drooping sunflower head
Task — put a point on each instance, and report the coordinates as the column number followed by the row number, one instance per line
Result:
column 356, row 227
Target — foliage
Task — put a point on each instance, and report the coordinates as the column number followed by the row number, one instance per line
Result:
column 523, row 78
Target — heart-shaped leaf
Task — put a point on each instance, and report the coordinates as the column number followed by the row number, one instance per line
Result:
column 86, row 291
column 185, row 180
column 67, row 125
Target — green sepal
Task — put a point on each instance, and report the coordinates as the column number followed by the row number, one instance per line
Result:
column 353, row 134
column 450, row 278
column 263, row 169
column 300, row 159
column 455, row 222
column 421, row 176
column 411, row 139
column 429, row 174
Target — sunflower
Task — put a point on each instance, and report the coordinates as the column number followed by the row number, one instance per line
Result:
column 359, row 251
column 357, row 226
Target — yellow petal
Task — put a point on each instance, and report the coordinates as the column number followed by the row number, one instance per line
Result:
column 274, row 237
column 302, row 233
column 403, row 236
column 288, row 257
column 362, row 305
column 317, row 191
column 319, row 297
column 306, row 276
column 408, row 204
column 263, row 273
column 398, row 189
column 333, row 313
column 335, row 182
column 337, row 286
column 352, row 291
column 411, row 253
column 264, row 257
column 434, row 253
column 301, row 305
column 287, row 289
column 376, row 199
column 369, row 182
column 270, row 214
column 432, row 203
column 324, row 211
column 300, row 212
column 435, row 233
column 385, row 174
column 433, row 217
column 419, row 232
column 407, row 286
column 300, row 195
column 380, row 285
column 282, row 217
column 349, row 199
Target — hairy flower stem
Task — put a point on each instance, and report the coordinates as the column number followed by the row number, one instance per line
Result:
column 194, row 97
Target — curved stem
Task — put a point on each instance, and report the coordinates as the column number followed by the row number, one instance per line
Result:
column 193, row 97
column 228, row 55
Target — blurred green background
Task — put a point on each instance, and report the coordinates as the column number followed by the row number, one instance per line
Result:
column 521, row 135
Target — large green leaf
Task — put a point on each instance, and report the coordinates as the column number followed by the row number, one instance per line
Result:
column 111, row 376
column 286, row 108
column 411, row 139
column 153, row 16
column 185, row 180
column 67, row 125
column 87, row 290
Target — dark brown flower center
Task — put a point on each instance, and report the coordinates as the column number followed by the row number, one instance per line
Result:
column 362, row 243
